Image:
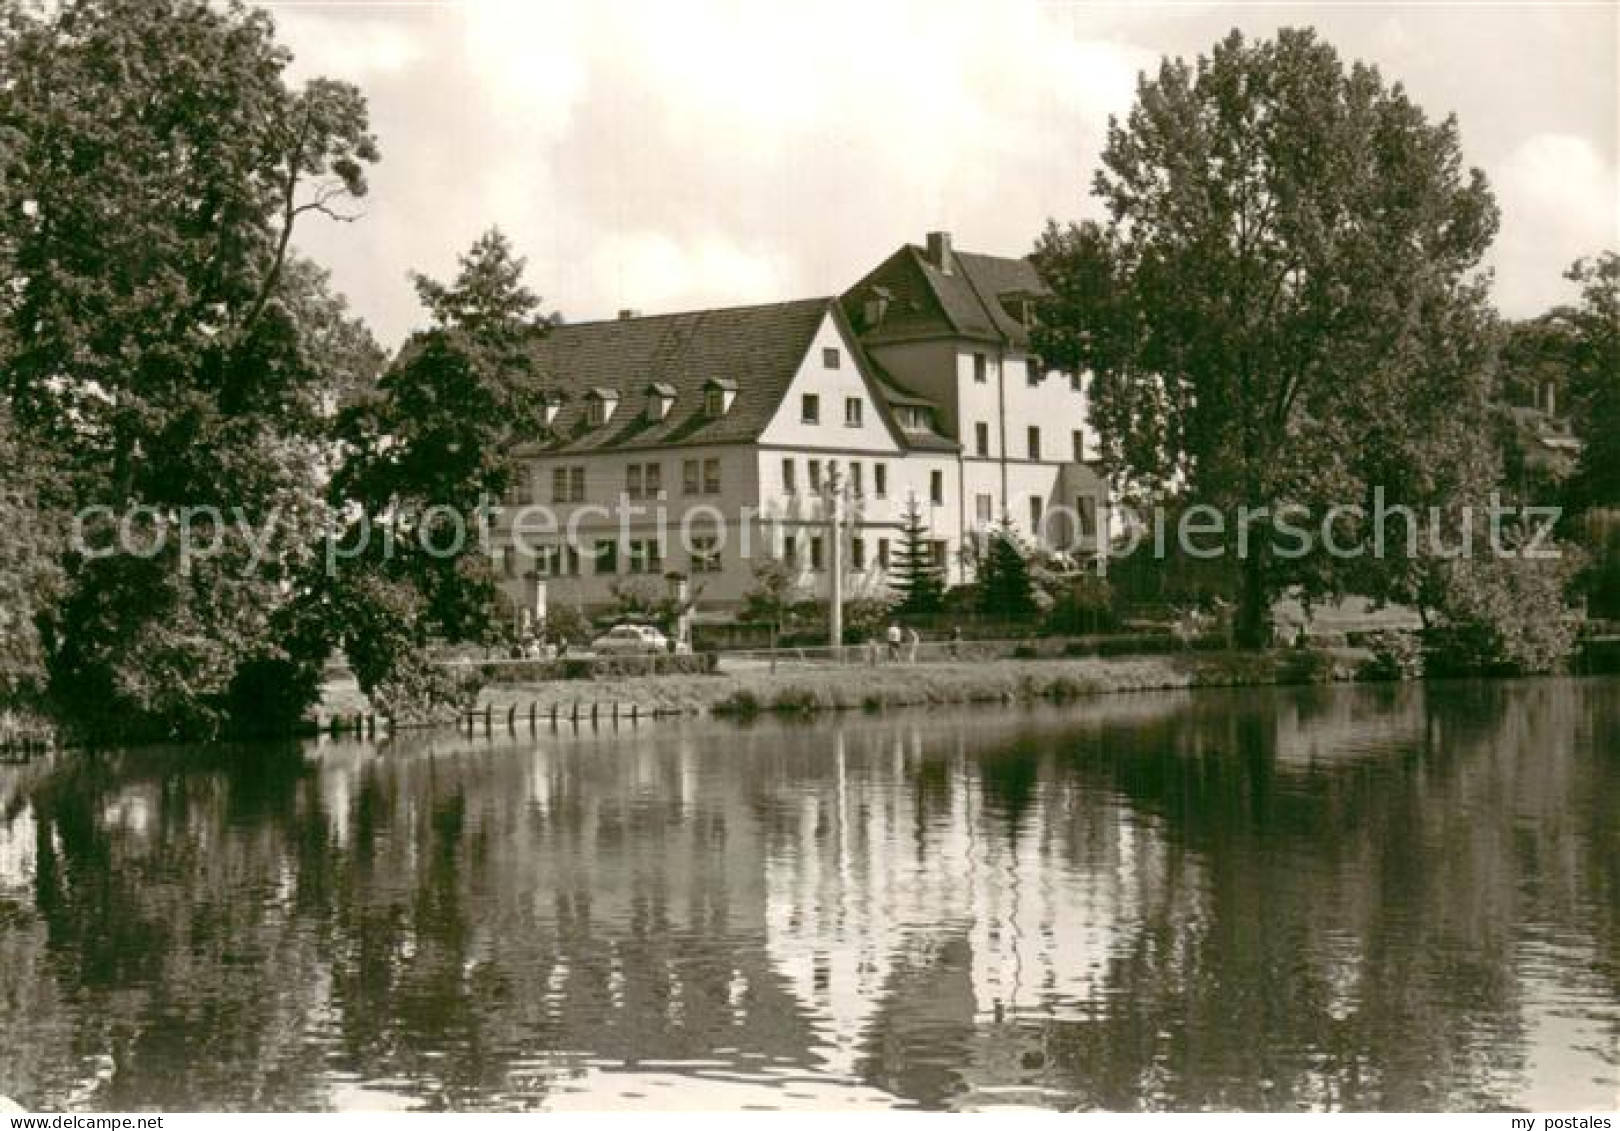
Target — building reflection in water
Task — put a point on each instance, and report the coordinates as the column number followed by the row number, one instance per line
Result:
column 1324, row 898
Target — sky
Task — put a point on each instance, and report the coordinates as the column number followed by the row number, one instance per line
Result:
column 678, row 154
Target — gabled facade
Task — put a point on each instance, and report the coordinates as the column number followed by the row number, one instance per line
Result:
column 700, row 442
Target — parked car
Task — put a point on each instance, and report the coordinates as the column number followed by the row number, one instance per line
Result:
column 631, row 640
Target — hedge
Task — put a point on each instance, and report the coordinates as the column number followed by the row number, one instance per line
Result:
column 595, row 667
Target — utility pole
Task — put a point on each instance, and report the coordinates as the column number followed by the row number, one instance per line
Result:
column 835, row 610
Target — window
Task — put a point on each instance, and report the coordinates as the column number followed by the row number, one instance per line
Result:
column 653, row 480
column 632, row 481
column 1034, row 442
column 856, row 486
column 883, row 553
column 595, row 411
column 1079, row 439
column 981, row 369
column 690, row 472
column 714, row 401
column 1032, row 371
column 815, row 475
column 936, row 487
column 815, row 551
column 607, row 556
column 981, row 439
column 852, row 412
column 646, row 556
column 711, row 476
column 1086, row 508
column 705, row 554
column 567, row 484
column 790, row 482
column 810, row 411
column 936, row 554
column 557, row 561
column 914, row 419
column 830, row 358
column 1035, row 511
column 880, row 480
column 857, row 553
column 790, row 549
column 984, row 509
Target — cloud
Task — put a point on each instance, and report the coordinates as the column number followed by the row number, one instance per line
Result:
column 354, row 49
column 662, row 272
column 663, row 155
column 1560, row 200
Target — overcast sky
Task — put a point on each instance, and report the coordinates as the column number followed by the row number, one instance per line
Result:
column 684, row 153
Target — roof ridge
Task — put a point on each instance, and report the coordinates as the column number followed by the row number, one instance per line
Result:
column 697, row 313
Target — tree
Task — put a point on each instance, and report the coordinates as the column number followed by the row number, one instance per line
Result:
column 163, row 339
column 1506, row 611
column 431, row 447
column 1006, row 590
column 30, row 571
column 773, row 596
column 1594, row 353
column 1299, row 320
column 916, row 577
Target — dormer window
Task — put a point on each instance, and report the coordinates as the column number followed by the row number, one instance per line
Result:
column 599, row 406
column 550, row 405
column 876, row 306
column 718, row 393
column 1021, row 307
column 913, row 418
column 660, row 398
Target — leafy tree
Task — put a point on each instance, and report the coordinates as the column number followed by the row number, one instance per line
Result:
column 162, row 337
column 430, row 447
column 915, row 575
column 645, row 601
column 1506, row 611
column 773, row 596
column 1293, row 246
column 30, row 571
column 1006, row 589
column 1594, row 331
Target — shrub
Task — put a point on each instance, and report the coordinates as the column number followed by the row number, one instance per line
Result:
column 795, row 700
column 1504, row 613
column 1083, row 604
column 1395, row 656
column 742, row 702
column 597, row 667
column 1305, row 665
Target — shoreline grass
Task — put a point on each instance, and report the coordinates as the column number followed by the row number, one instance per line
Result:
column 805, row 690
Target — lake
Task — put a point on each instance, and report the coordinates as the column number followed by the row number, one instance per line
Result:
column 1401, row 897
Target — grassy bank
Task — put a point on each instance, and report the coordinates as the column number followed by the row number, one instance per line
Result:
column 805, row 689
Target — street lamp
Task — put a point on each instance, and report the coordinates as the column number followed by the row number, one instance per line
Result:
column 834, row 493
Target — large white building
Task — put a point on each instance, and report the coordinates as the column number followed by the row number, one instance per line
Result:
column 699, row 443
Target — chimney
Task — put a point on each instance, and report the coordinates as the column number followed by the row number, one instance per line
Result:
column 627, row 313
column 939, row 251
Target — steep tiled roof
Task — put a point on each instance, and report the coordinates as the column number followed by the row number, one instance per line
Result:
column 927, row 302
column 757, row 347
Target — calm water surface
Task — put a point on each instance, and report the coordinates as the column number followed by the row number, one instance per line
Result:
column 1326, row 898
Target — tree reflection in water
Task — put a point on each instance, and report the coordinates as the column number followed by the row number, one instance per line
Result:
column 1362, row 898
